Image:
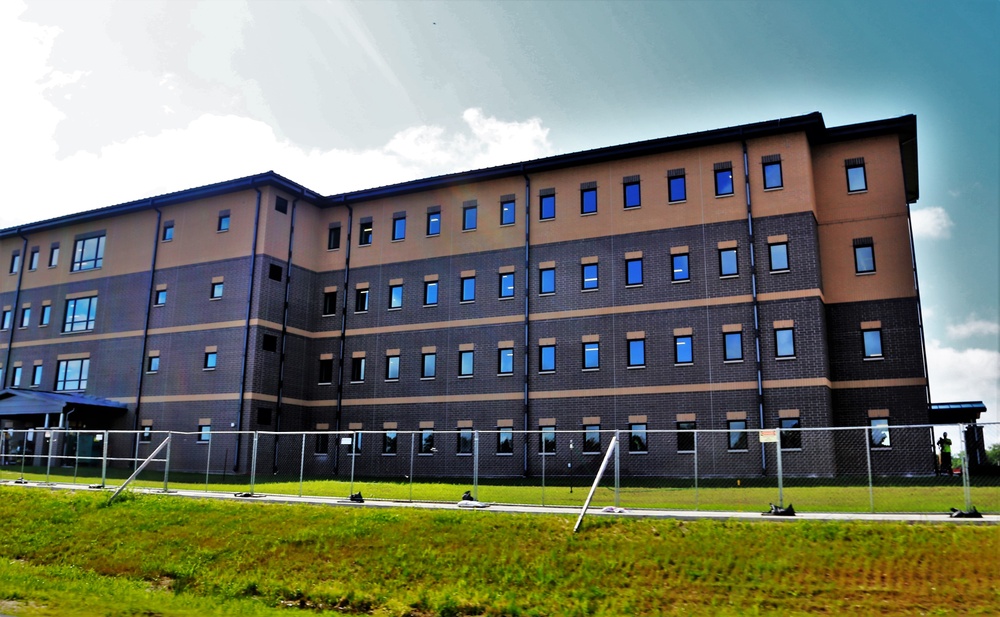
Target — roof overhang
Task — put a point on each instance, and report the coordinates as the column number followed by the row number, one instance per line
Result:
column 956, row 413
column 21, row 402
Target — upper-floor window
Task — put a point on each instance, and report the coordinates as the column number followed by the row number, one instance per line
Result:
column 507, row 285
column 8, row 319
column 591, row 356
column 333, row 238
column 547, row 359
column 357, row 369
column 856, row 179
column 16, row 377
column 216, row 290
column 88, row 253
column 211, row 360
column 395, row 296
column 329, row 303
column 46, row 315
column 772, row 171
column 33, row 259
column 80, row 314
column 392, row 368
column 779, row 256
column 547, row 206
column 223, row 223
column 633, row 271
column 723, row 179
column 25, row 316
column 732, row 345
column 72, row 374
column 36, row 376
column 54, row 255
column 399, row 227
column 470, row 217
column 679, row 269
column 588, row 198
column 281, row 205
column 325, row 371
column 683, row 349
column 872, row 343
column 361, row 300
column 365, row 236
column 168, row 231
column 864, row 255
column 590, row 280
column 434, row 223
column 466, row 365
column 153, row 364
column 430, row 293
column 15, row 262
column 637, row 353
column 508, row 214
column 547, row 281
column 505, row 361
column 428, row 365
column 160, row 297
column 784, row 342
column 633, row 197
column 468, row 289
column 676, row 185
column 728, row 263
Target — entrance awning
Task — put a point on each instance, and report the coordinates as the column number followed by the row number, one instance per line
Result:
column 21, row 402
column 956, row 413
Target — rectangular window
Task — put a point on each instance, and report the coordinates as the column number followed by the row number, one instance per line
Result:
column 168, row 232
column 468, row 289
column 325, row 371
column 223, row 223
column 428, row 368
column 880, row 432
column 333, row 238
column 465, row 441
column 430, row 293
column 779, row 256
column 589, row 277
column 873, row 343
column 395, row 296
column 392, row 368
column 54, row 256
column 505, row 441
column 329, row 303
column 505, row 361
column 36, row 376
column 728, row 264
column 15, row 262
column 591, row 356
column 633, row 272
column 470, row 216
column 8, row 319
column 856, row 180
column 637, row 438
column 637, row 353
column 864, row 255
column 466, row 363
column 433, row 223
column 507, row 212
column 389, row 442
column 88, row 254
column 357, row 370
column 281, row 205
column 547, row 440
column 679, row 269
column 153, row 364
column 25, row 317
column 784, row 342
column 399, row 228
column 357, row 439
column 147, row 434
column 592, row 439
column 547, row 209
column 633, row 196
column 547, row 281
column 216, row 292
column 81, row 313
column 46, row 315
column 269, row 342
column 507, row 285
column 71, row 375
column 723, row 179
column 264, row 416
column 683, row 350
column 33, row 259
column 211, row 360
column 676, row 185
column 160, row 297
column 588, row 201
column 365, row 235
column 16, row 377
column 790, row 436
column 685, row 436
column 274, row 272
column 733, row 346
column 737, row 435
column 547, row 359
column 322, row 443
column 772, row 171
column 427, row 442
column 204, row 432
column 361, row 300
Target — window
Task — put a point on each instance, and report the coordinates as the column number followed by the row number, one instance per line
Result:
column 547, row 359
column 428, row 369
column 80, row 314
column 505, row 441
column 679, row 270
column 790, row 436
column 147, row 434
column 433, row 223
column 322, row 443
column 88, row 254
column 395, row 296
column 33, row 259
column 46, row 315
column 160, row 297
column 547, row 440
column 264, row 416
column 637, row 353
column 25, row 317
column 772, row 171
column 36, row 376
column 723, row 179
column 54, row 256
column 281, row 205
column 357, row 370
column 15, row 262
column 7, row 319
column 168, row 232
column 333, row 238
column 588, row 200
column 365, row 235
column 430, row 293
column 470, row 215
column 469, row 289
column 547, row 281
column 592, row 439
column 685, row 436
column 211, row 360
column 856, row 180
column 465, row 363
column 507, row 285
column 637, row 438
column 269, row 342
column 589, row 277
column 357, row 438
column 633, row 197
column 204, row 432
column 216, row 292
column 507, row 212
column 274, row 272
column 591, row 356
column 16, row 377
column 676, row 185
column 505, row 361
column 427, row 441
column 880, row 432
column 361, row 300
column 784, row 342
column 873, row 343
column 737, row 435
column 864, row 255
column 329, row 303
column 389, row 442
column 392, row 368
column 779, row 256
column 633, row 272
column 399, row 228
column 683, row 350
column 223, row 224
column 153, row 364
column 547, row 210
column 465, row 441
column 728, row 264
column 733, row 346
column 70, row 375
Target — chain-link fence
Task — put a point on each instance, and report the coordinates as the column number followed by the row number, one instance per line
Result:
column 878, row 468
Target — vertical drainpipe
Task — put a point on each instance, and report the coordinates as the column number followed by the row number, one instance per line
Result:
column 343, row 331
column 756, row 306
column 246, row 333
column 284, row 331
column 527, row 294
column 145, row 326
column 13, row 312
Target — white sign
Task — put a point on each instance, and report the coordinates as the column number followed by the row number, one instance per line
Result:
column 345, row 441
column 769, row 435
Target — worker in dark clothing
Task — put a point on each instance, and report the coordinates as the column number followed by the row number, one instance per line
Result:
column 945, row 444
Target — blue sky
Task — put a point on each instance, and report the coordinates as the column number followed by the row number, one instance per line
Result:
column 110, row 102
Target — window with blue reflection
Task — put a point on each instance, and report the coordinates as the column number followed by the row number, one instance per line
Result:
column 547, row 281
column 395, row 296
column 591, row 355
column 733, row 346
column 784, row 341
column 856, row 179
column 505, row 361
column 864, row 259
column 633, row 272
column 588, row 201
column 507, row 213
column 680, row 268
column 547, row 444
column 433, row 223
column 547, row 358
column 430, row 292
column 428, row 367
column 683, row 350
column 507, row 285
column 728, row 265
column 399, row 228
column 779, row 256
column 873, row 343
column 723, row 182
column 392, row 367
column 637, row 353
column 548, row 207
column 469, row 218
column 632, row 196
column 772, row 175
column 465, row 363
column 590, row 276
column 469, row 289
column 677, row 187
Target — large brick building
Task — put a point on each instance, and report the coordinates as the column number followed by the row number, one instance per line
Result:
column 760, row 276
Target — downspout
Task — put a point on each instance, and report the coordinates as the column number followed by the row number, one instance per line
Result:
column 284, row 331
column 343, row 331
column 527, row 294
column 246, row 334
column 13, row 308
column 756, row 306
column 145, row 327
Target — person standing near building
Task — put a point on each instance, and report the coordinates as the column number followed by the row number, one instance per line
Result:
column 945, row 444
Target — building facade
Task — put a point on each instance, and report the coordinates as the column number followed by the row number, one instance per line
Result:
column 759, row 276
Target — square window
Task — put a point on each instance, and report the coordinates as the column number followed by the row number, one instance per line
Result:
column 70, row 376
column 507, row 285
column 772, row 175
column 216, row 291
column 54, row 256
column 637, row 353
column 269, row 342
column 723, row 182
column 505, row 361
column 466, row 365
column 592, row 439
column 880, row 432
column 153, row 364
column 329, row 303
column 547, row 359
column 427, row 442
column 779, row 256
column 737, row 434
column 589, row 276
column 88, row 254
column 683, row 350
column 211, row 360
column 728, row 264
column 36, row 376
column 168, row 232
column 507, row 212
column 784, row 342
column 677, row 188
column 433, row 223
column 223, row 224
column 430, row 293
column 365, row 237
column 470, row 214
column 632, row 195
column 686, row 436
column 33, row 259
column 160, row 298
column 547, row 281
column 399, row 228
column 468, row 289
column 864, row 258
column 637, row 438
column 361, row 301
column 395, row 296
column 81, row 315
column 591, row 356
column 547, row 209
column 633, row 272
column 274, row 272
column 588, row 201
column 428, row 368
column 333, row 238
column 204, row 432
column 790, row 435
column 465, row 441
column 392, row 368
column 733, row 346
column 25, row 317
column 679, row 269
column 46, row 315
column 325, row 371
column 856, row 180
column 547, row 440
column 505, row 441
column 873, row 343
column 389, row 442
column 357, row 369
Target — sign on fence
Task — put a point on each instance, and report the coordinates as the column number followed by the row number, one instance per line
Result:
column 769, row 435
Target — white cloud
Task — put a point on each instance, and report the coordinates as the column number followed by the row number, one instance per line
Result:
column 966, row 375
column 933, row 223
column 973, row 326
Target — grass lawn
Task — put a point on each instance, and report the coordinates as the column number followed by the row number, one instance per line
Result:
column 66, row 553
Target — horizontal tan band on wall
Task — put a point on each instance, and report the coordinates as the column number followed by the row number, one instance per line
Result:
column 467, row 347
column 77, row 294
column 505, row 345
column 389, row 426
column 591, row 420
column 732, row 327
column 632, row 336
column 357, row 354
column 788, row 413
column 794, row 295
column 678, row 250
column 778, row 238
column 507, row 269
column 633, row 255
column 784, row 323
column 323, row 426
column 427, row 424
column 464, row 424
column 588, row 260
column 590, row 338
column 683, row 331
column 428, row 349
column 73, row 356
column 364, row 285
column 637, row 419
column 736, row 415
column 392, row 352
column 329, row 288
column 505, row 423
column 430, row 278
column 545, row 265
column 871, row 325
column 686, row 417
column 154, row 353
column 326, row 356
column 547, row 341
column 395, row 281
column 46, row 302
column 355, row 426
column 147, row 423
column 728, row 244
column 878, row 413
column 218, row 279
column 546, row 422
column 161, row 287
column 467, row 273
column 211, row 348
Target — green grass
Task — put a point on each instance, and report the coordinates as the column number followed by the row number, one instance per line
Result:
column 67, row 553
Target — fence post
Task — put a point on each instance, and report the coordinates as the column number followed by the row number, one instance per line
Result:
column 253, row 463
column 868, row 452
column 697, row 504
column 781, row 477
column 76, row 459
column 302, row 463
column 48, row 458
column 208, row 463
column 166, row 468
column 354, row 455
column 412, row 435
column 475, row 465
column 104, row 461
column 617, row 468
column 965, row 469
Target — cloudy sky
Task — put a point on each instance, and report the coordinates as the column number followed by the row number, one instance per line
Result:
column 105, row 102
